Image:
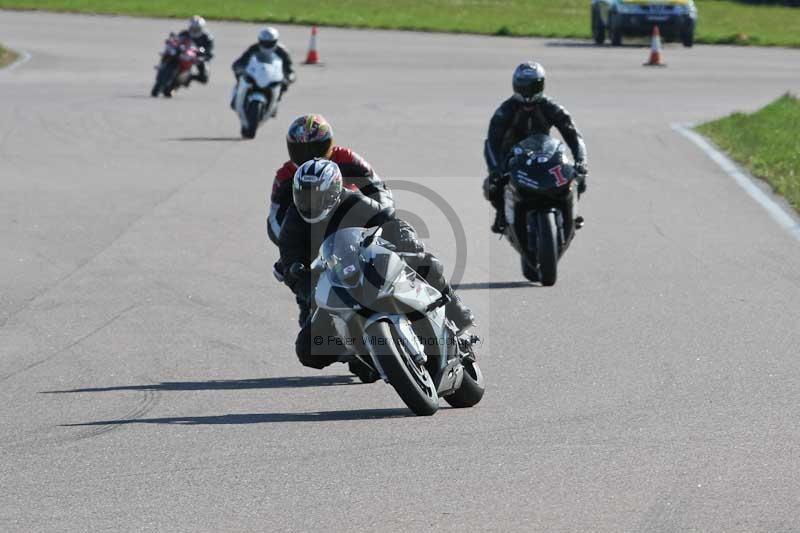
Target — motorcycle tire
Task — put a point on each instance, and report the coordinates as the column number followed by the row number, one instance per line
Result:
column 253, row 113
column 547, row 238
column 530, row 271
column 412, row 383
column 164, row 79
column 472, row 387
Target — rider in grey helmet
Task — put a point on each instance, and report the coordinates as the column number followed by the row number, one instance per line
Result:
column 203, row 40
column 268, row 42
column 527, row 112
column 322, row 206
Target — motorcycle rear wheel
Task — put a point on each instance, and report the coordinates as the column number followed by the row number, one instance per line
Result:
column 472, row 387
column 412, row 383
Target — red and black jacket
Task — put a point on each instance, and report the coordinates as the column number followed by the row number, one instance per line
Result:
column 358, row 176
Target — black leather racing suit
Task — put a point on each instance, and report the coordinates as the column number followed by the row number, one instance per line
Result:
column 300, row 242
column 205, row 41
column 513, row 122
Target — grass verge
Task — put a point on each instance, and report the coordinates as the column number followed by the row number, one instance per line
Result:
column 765, row 142
column 721, row 21
column 6, row 56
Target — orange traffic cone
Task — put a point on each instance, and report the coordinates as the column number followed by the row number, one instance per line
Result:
column 313, row 56
column 655, row 50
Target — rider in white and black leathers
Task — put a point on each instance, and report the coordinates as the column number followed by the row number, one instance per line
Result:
column 527, row 112
column 267, row 44
column 322, row 206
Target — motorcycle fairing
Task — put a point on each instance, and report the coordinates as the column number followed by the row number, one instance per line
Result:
column 265, row 71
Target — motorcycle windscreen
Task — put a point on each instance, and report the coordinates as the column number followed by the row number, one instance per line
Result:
column 537, row 145
column 266, row 72
column 341, row 253
column 538, row 165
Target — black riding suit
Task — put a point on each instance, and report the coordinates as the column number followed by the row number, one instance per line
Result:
column 205, row 41
column 300, row 242
column 513, row 122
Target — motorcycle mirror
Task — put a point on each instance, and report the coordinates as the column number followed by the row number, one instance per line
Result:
column 296, row 269
column 317, row 265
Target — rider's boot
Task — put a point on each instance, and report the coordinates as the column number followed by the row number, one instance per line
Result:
column 457, row 311
column 499, row 225
column 363, row 371
column 233, row 95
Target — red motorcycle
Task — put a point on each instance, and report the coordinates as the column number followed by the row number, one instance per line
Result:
column 180, row 55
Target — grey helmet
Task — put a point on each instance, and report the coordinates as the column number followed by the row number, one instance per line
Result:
column 528, row 82
column 197, row 25
column 268, row 39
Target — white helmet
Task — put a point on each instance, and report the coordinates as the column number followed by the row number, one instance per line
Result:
column 268, row 39
column 197, row 25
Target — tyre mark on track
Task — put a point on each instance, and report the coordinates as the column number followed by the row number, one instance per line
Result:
column 147, row 401
column 74, row 343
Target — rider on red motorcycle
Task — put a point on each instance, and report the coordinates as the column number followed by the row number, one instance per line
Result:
column 204, row 41
column 180, row 55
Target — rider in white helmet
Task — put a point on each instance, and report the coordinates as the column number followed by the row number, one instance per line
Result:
column 203, row 40
column 267, row 44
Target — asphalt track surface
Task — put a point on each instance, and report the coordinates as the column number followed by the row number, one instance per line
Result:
column 147, row 377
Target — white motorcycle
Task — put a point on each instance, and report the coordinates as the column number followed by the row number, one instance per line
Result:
column 393, row 321
column 257, row 92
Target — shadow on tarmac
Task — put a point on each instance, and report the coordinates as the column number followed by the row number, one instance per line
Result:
column 488, row 285
column 590, row 44
column 206, row 139
column 262, row 418
column 235, row 384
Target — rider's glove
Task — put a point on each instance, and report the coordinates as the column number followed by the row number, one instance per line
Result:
column 298, row 279
column 581, row 169
column 291, row 77
column 492, row 186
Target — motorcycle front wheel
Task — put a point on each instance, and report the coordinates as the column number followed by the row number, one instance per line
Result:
column 412, row 382
column 161, row 79
column 253, row 113
column 166, row 79
column 548, row 248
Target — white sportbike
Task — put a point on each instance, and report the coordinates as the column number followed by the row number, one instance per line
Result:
column 257, row 92
column 393, row 321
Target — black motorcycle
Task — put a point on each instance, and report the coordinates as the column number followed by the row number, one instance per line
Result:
column 540, row 203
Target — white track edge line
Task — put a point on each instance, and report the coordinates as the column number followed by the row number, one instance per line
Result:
column 23, row 58
column 786, row 220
